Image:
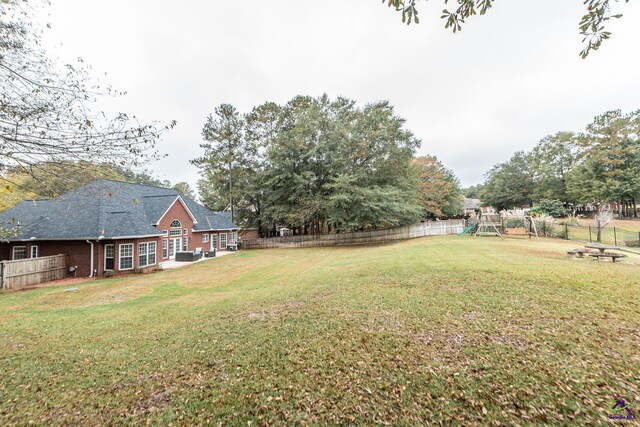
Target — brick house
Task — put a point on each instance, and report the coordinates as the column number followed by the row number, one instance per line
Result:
column 117, row 226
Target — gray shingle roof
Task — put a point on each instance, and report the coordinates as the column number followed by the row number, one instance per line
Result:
column 471, row 203
column 109, row 209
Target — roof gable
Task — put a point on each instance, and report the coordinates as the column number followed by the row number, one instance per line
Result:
column 184, row 205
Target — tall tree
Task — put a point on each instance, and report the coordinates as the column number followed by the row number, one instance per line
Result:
column 551, row 161
column 374, row 170
column 472, row 192
column 225, row 150
column 185, row 189
column 610, row 160
column 301, row 161
column 440, row 192
column 509, row 184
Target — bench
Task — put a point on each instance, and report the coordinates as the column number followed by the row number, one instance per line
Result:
column 517, row 231
column 579, row 253
column 613, row 256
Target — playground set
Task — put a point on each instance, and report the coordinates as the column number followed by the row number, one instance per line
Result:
column 494, row 225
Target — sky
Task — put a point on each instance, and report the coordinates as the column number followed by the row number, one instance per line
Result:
column 473, row 98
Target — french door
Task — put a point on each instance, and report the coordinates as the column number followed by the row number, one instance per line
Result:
column 175, row 245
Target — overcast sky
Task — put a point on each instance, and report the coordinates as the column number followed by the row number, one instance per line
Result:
column 473, row 98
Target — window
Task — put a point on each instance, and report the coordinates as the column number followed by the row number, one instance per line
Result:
column 223, row 240
column 34, row 251
column 165, row 248
column 19, row 252
column 205, row 238
column 176, row 228
column 186, row 231
column 109, row 256
column 233, row 237
column 147, row 254
column 214, row 241
column 185, row 244
column 126, row 256
column 165, row 233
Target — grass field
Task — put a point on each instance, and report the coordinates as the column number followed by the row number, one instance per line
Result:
column 433, row 330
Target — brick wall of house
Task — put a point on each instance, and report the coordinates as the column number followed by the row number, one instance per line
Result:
column 178, row 212
column 136, row 254
column 208, row 246
column 79, row 252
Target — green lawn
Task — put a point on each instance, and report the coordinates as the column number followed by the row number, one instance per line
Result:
column 424, row 331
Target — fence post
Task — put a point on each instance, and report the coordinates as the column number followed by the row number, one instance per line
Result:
column 566, row 232
column 615, row 237
column 590, row 241
column 2, row 274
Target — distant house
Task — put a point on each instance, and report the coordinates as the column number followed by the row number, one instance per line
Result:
column 117, row 226
column 471, row 205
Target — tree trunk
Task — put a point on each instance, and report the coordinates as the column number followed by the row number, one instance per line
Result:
column 231, row 191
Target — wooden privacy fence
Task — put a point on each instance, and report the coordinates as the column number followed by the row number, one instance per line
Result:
column 434, row 228
column 28, row 272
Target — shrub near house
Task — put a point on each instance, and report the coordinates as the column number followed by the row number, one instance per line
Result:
column 115, row 226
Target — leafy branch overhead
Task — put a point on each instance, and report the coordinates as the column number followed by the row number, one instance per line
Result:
column 592, row 24
column 46, row 108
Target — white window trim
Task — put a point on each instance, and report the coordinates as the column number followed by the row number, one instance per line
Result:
column 148, row 252
column 226, row 240
column 165, row 233
column 186, row 231
column 205, row 238
column 13, row 253
column 37, row 251
column 165, row 249
column 105, row 256
column 120, row 256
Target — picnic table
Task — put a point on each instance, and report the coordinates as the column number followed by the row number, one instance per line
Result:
column 602, row 252
column 601, row 248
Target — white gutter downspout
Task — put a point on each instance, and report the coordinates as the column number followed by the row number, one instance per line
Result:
column 91, row 243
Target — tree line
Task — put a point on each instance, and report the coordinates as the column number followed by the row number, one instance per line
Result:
column 319, row 165
column 50, row 179
column 599, row 165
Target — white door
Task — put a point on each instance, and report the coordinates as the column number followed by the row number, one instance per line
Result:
column 175, row 245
